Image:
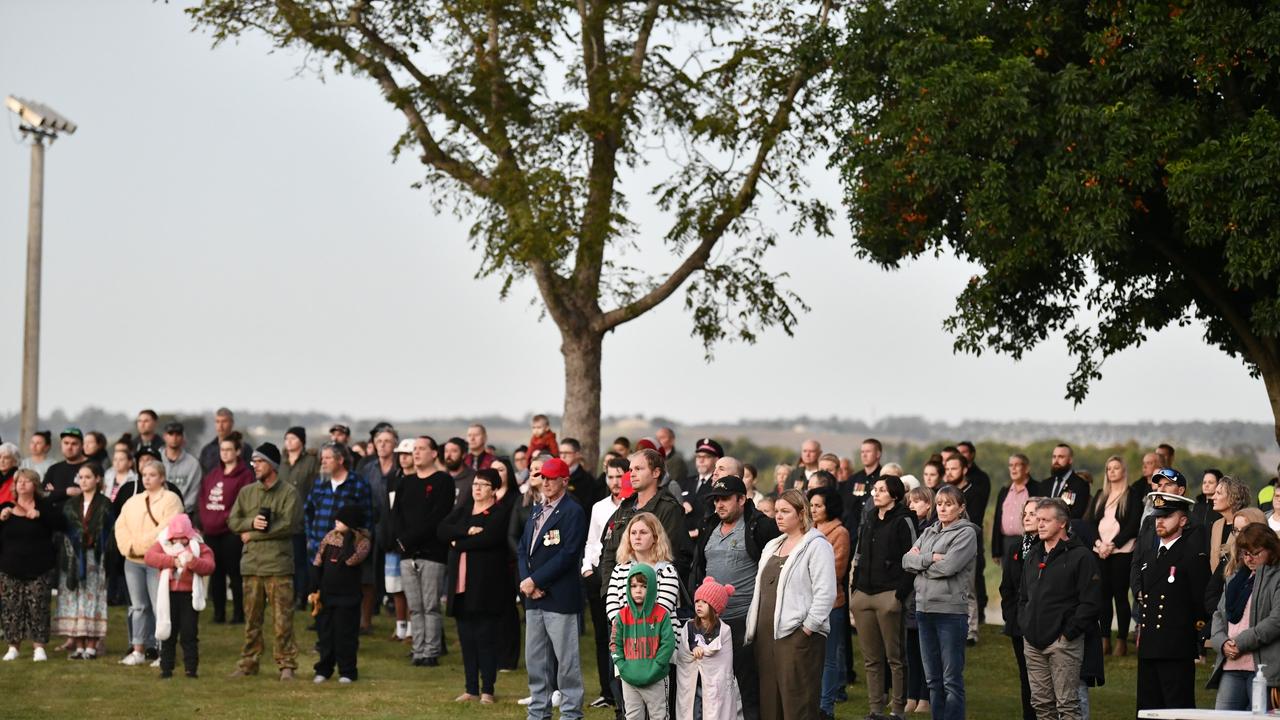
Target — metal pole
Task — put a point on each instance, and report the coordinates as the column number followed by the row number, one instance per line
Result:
column 31, row 334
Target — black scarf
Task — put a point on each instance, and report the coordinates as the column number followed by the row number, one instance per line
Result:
column 1239, row 589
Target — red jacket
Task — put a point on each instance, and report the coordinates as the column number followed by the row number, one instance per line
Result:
column 181, row 582
column 547, row 442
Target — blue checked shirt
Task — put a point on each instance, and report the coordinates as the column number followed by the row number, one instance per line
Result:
column 324, row 502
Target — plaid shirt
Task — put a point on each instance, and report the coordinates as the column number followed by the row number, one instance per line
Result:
column 324, row 503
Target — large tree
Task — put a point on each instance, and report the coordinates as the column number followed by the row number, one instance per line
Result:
column 1113, row 168
column 532, row 117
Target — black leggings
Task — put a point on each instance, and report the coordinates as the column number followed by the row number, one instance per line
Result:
column 226, row 555
column 1115, row 592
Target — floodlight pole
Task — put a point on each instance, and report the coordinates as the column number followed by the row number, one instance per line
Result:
column 31, row 328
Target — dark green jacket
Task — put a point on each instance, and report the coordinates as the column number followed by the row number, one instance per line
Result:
column 268, row 552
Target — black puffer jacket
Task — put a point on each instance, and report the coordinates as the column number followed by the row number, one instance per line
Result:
column 878, row 557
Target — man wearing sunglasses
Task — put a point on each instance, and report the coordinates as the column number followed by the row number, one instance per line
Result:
column 1170, row 587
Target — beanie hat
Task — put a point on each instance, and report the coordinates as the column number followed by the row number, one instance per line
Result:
column 713, row 594
column 299, row 432
column 270, row 453
column 180, row 527
column 351, row 516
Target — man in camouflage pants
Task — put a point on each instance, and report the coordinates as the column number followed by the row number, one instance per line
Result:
column 267, row 514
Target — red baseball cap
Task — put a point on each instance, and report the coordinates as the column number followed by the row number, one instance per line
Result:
column 554, row 468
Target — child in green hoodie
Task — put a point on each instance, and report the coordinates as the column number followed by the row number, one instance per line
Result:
column 642, row 643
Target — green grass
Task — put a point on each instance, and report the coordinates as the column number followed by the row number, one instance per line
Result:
column 390, row 688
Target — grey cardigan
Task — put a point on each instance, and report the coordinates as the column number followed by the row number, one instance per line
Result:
column 944, row 586
column 806, row 587
column 1262, row 638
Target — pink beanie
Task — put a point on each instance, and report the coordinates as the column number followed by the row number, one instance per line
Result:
column 714, row 594
column 180, row 527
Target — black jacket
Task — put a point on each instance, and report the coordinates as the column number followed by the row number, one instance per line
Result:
column 696, row 495
column 979, row 477
column 1012, row 565
column 669, row 513
column 421, row 505
column 338, row 569
column 881, row 545
column 998, row 537
column 489, row 588
column 759, row 531
column 585, row 488
column 1061, row 593
column 1145, row 550
column 1173, row 613
column 854, row 493
column 1075, row 493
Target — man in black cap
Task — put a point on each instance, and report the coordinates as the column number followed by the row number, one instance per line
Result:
column 299, row 468
column 1170, row 592
column 340, row 433
column 181, row 467
column 60, row 481
column 267, row 514
column 694, row 489
column 728, row 549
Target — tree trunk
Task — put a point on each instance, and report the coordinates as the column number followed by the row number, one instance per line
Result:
column 1271, row 379
column 582, row 351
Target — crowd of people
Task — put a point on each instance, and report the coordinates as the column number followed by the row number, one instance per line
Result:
column 710, row 594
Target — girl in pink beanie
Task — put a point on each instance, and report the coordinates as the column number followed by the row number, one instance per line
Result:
column 185, row 563
column 704, row 650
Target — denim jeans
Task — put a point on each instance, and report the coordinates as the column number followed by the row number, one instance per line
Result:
column 552, row 656
column 942, row 637
column 833, row 665
column 1235, row 690
column 144, row 585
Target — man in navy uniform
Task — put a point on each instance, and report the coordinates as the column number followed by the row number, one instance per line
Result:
column 1170, row 591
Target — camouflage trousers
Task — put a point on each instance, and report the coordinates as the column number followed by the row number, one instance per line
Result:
column 274, row 592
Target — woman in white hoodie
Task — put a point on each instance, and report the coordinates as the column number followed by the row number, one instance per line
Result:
column 790, row 612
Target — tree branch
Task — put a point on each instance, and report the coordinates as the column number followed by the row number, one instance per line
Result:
column 638, row 53
column 430, row 88
column 741, row 201
column 432, row 154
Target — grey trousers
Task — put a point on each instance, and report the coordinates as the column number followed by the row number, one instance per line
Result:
column 1054, row 676
column 648, row 702
column 144, row 586
column 423, row 582
column 551, row 653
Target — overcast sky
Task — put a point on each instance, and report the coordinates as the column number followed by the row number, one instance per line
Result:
column 221, row 231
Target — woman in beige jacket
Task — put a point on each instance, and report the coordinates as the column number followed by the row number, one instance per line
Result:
column 139, row 524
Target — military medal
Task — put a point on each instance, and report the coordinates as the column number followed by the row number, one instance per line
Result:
column 1172, row 570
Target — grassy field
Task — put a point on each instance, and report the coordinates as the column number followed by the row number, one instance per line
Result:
column 390, row 688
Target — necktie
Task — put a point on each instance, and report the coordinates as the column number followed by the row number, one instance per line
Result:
column 537, row 527
column 1161, row 552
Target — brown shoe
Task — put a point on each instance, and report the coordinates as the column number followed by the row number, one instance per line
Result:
column 1106, row 646
column 239, row 673
column 286, row 674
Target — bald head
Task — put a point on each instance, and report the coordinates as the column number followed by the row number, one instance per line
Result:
column 725, row 467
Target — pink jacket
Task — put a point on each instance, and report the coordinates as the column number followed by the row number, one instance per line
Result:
column 181, row 582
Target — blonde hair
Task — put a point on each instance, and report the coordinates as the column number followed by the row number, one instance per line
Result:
column 1255, row 516
column 661, row 544
column 28, row 474
column 800, row 503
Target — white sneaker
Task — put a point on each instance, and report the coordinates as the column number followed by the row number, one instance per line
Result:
column 39, row 655
column 11, row 655
column 134, row 658
column 555, row 698
column 319, row 679
column 521, row 701
column 345, row 681
column 154, row 663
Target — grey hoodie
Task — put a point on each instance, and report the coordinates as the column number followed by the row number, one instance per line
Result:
column 946, row 585
column 185, row 473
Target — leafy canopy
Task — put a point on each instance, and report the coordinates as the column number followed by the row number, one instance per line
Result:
column 528, row 115
column 1113, row 167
